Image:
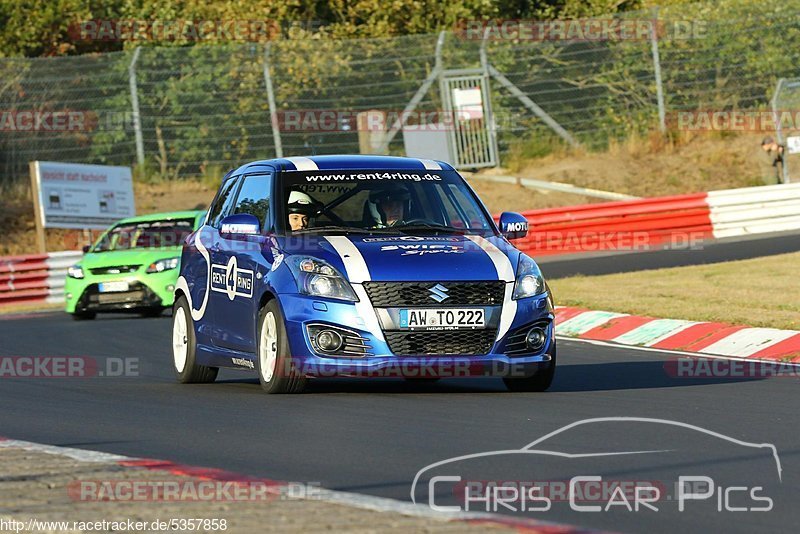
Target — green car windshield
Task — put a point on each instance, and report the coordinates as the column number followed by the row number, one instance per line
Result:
column 143, row 235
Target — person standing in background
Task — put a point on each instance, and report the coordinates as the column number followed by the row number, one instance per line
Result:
column 774, row 150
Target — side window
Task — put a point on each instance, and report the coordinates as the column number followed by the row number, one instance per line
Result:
column 468, row 207
column 461, row 212
column 222, row 206
column 254, row 197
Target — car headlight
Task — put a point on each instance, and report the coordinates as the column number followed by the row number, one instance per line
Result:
column 319, row 279
column 163, row 265
column 529, row 279
column 76, row 271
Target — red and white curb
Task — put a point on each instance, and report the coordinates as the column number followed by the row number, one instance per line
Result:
column 355, row 500
column 714, row 339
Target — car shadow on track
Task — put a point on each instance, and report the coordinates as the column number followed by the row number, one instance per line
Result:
column 578, row 377
column 392, row 385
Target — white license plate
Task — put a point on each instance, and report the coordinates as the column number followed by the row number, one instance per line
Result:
column 443, row 318
column 113, row 287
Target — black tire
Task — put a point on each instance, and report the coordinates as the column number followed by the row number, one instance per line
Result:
column 84, row 315
column 190, row 372
column 284, row 376
column 539, row 382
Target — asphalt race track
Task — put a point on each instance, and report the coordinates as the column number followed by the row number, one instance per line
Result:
column 373, row 437
column 741, row 248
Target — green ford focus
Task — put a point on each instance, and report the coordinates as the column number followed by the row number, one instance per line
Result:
column 132, row 267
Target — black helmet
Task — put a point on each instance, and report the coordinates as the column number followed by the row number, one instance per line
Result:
column 397, row 192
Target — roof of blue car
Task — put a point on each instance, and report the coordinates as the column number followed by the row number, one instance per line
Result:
column 347, row 162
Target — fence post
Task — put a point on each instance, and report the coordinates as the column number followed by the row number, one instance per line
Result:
column 137, row 118
column 662, row 113
column 273, row 112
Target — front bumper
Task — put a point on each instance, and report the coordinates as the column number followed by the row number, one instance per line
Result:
column 146, row 291
column 300, row 311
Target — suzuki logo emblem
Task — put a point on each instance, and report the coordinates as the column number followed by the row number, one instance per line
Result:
column 438, row 293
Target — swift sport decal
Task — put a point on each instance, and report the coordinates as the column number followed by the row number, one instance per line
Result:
column 423, row 249
column 232, row 280
column 409, row 238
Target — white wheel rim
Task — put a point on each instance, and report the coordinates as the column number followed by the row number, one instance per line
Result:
column 268, row 347
column 180, row 340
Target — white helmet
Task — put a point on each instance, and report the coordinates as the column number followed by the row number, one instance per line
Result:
column 300, row 202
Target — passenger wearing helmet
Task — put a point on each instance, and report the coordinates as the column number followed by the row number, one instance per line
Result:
column 300, row 208
column 386, row 206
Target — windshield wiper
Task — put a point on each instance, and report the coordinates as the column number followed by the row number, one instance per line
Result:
column 345, row 229
column 429, row 226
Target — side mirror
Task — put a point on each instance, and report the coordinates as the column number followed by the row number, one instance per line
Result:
column 513, row 225
column 86, row 248
column 240, row 224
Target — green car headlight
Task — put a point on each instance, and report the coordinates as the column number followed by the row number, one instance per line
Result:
column 76, row 271
column 163, row 265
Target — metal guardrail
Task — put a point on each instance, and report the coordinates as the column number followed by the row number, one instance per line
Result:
column 35, row 277
column 641, row 224
column 755, row 210
column 662, row 222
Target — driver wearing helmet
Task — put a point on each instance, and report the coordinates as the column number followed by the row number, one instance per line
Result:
column 386, row 206
column 300, row 208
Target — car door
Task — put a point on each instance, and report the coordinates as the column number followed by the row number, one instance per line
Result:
column 244, row 263
column 217, row 298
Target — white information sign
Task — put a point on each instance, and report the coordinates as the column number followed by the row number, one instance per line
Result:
column 72, row 195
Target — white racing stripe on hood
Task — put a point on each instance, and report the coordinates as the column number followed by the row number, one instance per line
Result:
column 430, row 165
column 303, row 164
column 354, row 264
column 505, row 272
column 357, row 272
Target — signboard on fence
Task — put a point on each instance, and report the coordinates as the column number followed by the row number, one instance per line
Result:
column 72, row 195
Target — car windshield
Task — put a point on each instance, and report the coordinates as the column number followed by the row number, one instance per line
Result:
column 381, row 201
column 150, row 234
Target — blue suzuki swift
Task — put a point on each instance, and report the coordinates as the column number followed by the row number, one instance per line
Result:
column 361, row 266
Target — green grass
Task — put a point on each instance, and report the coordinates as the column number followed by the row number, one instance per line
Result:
column 757, row 292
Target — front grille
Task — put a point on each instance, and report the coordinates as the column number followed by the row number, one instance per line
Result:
column 118, row 269
column 472, row 342
column 393, row 294
column 117, row 298
column 138, row 295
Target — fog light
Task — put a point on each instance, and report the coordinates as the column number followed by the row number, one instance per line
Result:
column 329, row 341
column 68, row 295
column 536, row 338
column 170, row 288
